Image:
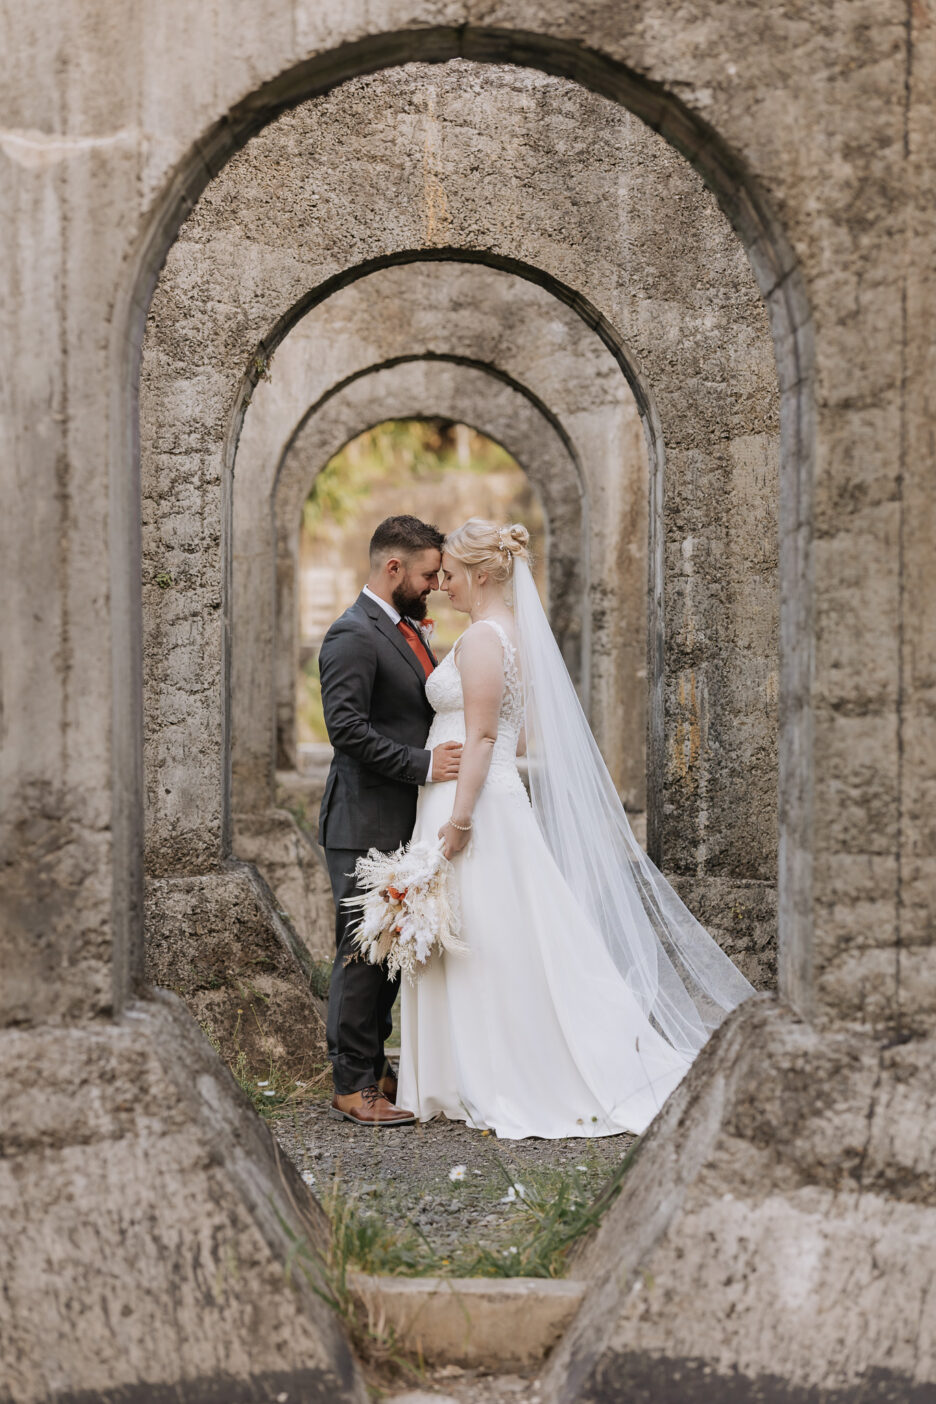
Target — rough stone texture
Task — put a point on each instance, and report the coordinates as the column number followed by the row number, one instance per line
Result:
column 495, row 163
column 219, row 942
column 293, row 865
column 776, row 1235
column 742, row 916
column 815, row 126
column 146, row 1220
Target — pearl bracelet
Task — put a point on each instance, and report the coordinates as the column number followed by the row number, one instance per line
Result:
column 462, row 828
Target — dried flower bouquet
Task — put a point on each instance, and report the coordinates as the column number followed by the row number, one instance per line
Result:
column 409, row 909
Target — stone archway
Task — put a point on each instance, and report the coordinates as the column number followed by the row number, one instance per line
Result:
column 469, row 314
column 464, row 394
column 410, row 389
column 110, row 177
column 265, row 655
column 715, row 421
column 268, row 342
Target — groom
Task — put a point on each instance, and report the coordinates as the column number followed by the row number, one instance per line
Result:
column 373, row 665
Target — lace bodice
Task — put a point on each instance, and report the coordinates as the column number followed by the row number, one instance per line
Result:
column 444, row 691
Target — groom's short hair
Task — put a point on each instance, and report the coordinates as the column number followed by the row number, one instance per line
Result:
column 402, row 536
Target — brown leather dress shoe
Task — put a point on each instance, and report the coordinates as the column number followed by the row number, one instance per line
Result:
column 388, row 1086
column 369, row 1107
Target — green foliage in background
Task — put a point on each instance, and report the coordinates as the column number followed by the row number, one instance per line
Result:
column 398, row 451
column 431, row 467
column 310, row 716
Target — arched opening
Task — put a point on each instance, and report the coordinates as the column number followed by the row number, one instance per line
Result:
column 445, row 471
column 267, row 344
column 725, row 173
column 271, row 340
column 597, row 582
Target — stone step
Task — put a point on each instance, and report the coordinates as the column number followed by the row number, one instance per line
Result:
column 497, row 1323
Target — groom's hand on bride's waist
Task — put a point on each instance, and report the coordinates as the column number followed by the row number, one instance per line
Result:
column 446, row 760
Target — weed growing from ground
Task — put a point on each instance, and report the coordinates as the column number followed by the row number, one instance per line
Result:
column 277, row 1092
column 547, row 1217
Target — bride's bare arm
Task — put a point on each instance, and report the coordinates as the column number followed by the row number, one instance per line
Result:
column 481, row 665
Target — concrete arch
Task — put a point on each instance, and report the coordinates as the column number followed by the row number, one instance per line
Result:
column 446, row 389
column 700, row 421
column 764, row 242
column 477, row 316
column 265, row 653
column 105, row 173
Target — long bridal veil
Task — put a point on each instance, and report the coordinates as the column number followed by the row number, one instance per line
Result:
column 681, row 978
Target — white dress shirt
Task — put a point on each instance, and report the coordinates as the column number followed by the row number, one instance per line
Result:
column 396, row 616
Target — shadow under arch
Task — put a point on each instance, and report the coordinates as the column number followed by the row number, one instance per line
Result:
column 776, row 273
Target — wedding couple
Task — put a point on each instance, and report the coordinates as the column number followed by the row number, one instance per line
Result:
column 586, row 987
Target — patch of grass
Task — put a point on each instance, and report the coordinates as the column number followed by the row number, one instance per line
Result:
column 554, row 1211
column 549, row 1214
column 363, row 1239
column 353, row 1237
column 276, row 1092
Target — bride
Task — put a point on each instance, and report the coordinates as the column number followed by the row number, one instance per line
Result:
column 586, row 987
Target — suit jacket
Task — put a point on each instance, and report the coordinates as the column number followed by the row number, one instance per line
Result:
column 378, row 718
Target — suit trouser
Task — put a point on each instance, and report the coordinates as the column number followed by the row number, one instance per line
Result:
column 361, row 995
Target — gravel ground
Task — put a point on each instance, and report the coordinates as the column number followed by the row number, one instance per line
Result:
column 405, row 1174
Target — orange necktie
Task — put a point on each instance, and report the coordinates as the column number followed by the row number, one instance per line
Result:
column 414, row 639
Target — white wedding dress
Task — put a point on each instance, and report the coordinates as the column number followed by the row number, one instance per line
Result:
column 533, row 1030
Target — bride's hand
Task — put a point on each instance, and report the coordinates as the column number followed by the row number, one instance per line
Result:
column 454, row 839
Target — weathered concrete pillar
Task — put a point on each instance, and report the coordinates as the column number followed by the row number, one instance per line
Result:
column 769, row 1239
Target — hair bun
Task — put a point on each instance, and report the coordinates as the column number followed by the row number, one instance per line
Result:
column 482, row 544
column 515, row 538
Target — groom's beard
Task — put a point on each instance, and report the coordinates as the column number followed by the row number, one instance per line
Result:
column 409, row 605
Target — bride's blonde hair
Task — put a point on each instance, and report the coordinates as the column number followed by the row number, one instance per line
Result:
column 485, row 546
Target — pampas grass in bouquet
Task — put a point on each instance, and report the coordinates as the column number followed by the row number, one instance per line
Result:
column 409, row 909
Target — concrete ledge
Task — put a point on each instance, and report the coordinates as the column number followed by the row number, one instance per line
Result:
column 219, row 941
column 506, row 1322
column 294, row 870
column 148, row 1225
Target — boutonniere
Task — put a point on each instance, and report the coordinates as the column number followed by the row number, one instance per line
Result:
column 426, row 627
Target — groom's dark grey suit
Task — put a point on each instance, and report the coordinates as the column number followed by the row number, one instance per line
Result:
column 378, row 718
